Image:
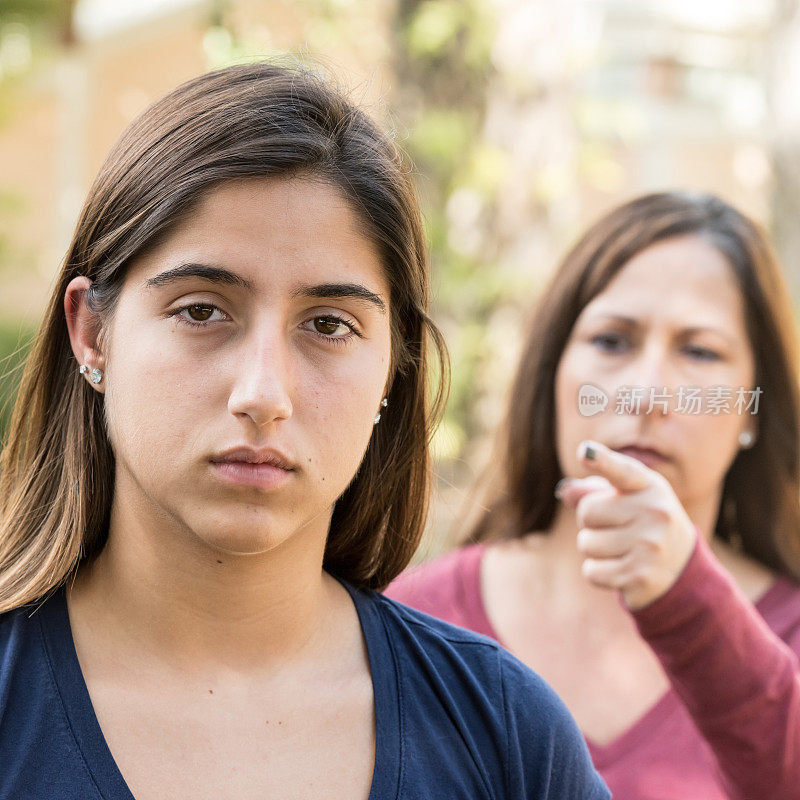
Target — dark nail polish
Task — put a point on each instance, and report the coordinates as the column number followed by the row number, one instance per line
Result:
column 590, row 452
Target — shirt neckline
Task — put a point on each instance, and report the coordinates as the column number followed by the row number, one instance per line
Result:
column 602, row 754
column 67, row 675
column 59, row 646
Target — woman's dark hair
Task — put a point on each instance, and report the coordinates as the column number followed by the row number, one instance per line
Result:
column 249, row 121
column 760, row 505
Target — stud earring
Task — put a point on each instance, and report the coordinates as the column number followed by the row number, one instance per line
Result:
column 746, row 440
column 377, row 419
column 95, row 376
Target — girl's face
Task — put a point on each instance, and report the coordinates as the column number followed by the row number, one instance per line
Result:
column 259, row 330
column 670, row 323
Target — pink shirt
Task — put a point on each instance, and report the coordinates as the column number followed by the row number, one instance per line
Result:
column 728, row 729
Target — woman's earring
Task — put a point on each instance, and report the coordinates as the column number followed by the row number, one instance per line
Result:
column 95, row 376
column 377, row 419
column 746, row 440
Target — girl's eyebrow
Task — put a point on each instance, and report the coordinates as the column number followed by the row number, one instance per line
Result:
column 204, row 271
column 221, row 275
column 339, row 290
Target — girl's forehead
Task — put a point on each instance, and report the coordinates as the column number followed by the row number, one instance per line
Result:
column 270, row 232
column 306, row 210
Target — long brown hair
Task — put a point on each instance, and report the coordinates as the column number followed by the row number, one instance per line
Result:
column 257, row 120
column 760, row 505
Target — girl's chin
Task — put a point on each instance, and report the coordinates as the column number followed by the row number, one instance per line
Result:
column 240, row 543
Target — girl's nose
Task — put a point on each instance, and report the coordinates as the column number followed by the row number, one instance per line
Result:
column 261, row 390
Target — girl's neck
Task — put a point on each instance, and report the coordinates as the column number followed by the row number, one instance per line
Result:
column 162, row 591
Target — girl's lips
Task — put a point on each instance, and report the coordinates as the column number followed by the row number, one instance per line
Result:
column 650, row 458
column 260, row 476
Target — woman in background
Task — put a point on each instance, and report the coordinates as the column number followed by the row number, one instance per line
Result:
column 666, row 328
column 218, row 451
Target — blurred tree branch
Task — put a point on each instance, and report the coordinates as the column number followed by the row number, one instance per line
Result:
column 783, row 76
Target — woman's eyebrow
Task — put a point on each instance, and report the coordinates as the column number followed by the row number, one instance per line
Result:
column 204, row 271
column 710, row 329
column 621, row 318
column 688, row 331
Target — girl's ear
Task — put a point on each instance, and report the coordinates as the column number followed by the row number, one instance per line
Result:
column 83, row 325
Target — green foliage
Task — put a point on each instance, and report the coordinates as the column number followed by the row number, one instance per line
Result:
column 433, row 26
column 444, row 73
column 434, row 29
column 31, row 32
column 440, row 138
column 32, row 9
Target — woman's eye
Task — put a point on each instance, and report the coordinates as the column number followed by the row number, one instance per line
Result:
column 198, row 314
column 610, row 342
column 701, row 353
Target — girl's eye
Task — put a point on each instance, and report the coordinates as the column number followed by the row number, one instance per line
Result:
column 328, row 327
column 701, row 353
column 332, row 328
column 197, row 314
column 610, row 342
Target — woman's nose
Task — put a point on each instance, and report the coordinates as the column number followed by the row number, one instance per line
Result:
column 653, row 381
column 262, row 387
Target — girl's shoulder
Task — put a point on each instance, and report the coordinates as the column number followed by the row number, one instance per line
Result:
column 19, row 626
column 455, row 686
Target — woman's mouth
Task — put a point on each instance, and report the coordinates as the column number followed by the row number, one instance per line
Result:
column 649, row 457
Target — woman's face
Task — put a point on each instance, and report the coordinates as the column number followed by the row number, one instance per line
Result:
column 671, row 322
column 261, row 325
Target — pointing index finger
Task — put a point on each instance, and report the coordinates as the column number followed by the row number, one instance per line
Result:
column 623, row 472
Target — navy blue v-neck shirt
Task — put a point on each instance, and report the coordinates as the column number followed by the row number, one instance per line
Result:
column 457, row 716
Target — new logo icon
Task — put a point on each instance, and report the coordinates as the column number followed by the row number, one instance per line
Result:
column 591, row 400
